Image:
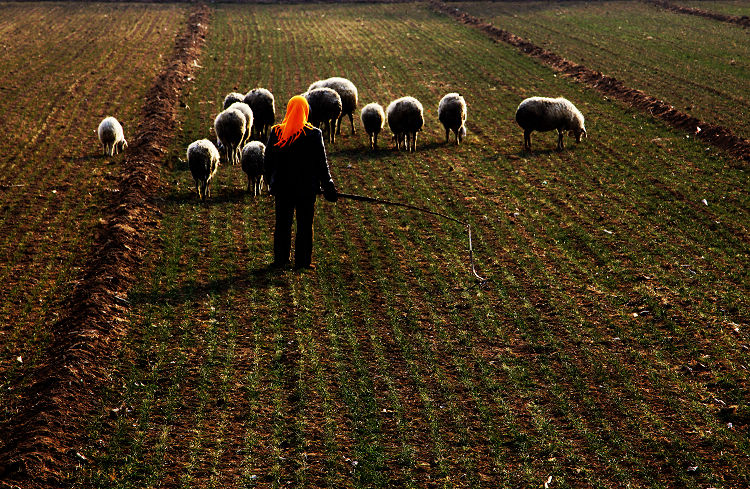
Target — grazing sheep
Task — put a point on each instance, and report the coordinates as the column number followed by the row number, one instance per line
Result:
column 252, row 164
column 111, row 136
column 248, row 113
column 348, row 93
column 452, row 114
column 405, row 118
column 230, row 130
column 203, row 160
column 545, row 114
column 373, row 120
column 325, row 109
column 232, row 98
column 261, row 102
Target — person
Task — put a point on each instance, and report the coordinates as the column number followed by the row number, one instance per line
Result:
column 296, row 168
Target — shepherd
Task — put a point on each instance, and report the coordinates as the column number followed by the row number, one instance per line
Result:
column 296, row 169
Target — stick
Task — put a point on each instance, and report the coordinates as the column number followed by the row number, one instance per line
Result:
column 362, row 198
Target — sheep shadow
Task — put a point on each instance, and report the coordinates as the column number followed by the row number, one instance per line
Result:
column 224, row 195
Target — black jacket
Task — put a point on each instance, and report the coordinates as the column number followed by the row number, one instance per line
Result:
column 300, row 168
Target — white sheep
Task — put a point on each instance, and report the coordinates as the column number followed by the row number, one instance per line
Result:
column 373, row 120
column 203, row 160
column 252, row 164
column 232, row 98
column 348, row 93
column 248, row 113
column 261, row 102
column 111, row 136
column 545, row 114
column 406, row 119
column 229, row 127
column 452, row 114
column 325, row 109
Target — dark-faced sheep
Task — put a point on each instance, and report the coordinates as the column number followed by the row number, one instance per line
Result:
column 348, row 93
column 229, row 127
column 203, row 160
column 373, row 120
column 325, row 109
column 232, row 98
column 406, row 119
column 261, row 102
column 252, row 164
column 546, row 114
column 452, row 114
column 111, row 136
column 249, row 119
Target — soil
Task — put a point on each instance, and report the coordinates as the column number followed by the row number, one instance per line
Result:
column 714, row 134
column 732, row 19
column 42, row 440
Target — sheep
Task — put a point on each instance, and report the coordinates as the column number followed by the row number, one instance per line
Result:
column 405, row 118
column 348, row 93
column 111, row 136
column 248, row 113
column 203, row 160
column 232, row 98
column 373, row 120
column 452, row 114
column 261, row 102
column 229, row 126
column 252, row 164
column 325, row 108
column 545, row 114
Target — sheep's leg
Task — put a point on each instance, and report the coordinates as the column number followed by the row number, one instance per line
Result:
column 527, row 140
column 447, row 134
column 560, row 145
column 375, row 141
column 249, row 183
column 351, row 119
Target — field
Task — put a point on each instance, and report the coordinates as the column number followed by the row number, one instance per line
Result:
column 731, row 7
column 648, row 48
column 609, row 346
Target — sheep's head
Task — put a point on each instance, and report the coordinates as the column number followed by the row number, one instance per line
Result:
column 122, row 146
column 461, row 133
column 579, row 133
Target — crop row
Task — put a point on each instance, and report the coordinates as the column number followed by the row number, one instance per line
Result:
column 610, row 326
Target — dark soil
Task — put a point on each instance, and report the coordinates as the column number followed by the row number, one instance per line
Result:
column 714, row 134
column 41, row 442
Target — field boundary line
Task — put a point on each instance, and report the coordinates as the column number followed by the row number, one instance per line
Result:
column 743, row 21
column 44, row 440
column 715, row 134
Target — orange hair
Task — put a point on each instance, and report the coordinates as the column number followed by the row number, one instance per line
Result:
column 294, row 121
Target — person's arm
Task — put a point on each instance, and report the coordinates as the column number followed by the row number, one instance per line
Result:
column 323, row 170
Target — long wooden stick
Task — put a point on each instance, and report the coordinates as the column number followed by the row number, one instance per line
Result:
column 374, row 200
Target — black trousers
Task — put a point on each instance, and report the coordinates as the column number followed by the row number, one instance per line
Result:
column 282, row 235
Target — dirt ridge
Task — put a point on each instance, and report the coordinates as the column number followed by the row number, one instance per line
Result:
column 744, row 21
column 714, row 134
column 43, row 440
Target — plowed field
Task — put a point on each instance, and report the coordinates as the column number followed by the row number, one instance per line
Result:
column 663, row 53
column 65, row 67
column 609, row 346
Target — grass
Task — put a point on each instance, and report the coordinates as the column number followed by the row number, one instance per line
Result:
column 600, row 352
column 660, row 52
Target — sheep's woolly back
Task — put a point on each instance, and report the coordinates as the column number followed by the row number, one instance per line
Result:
column 545, row 114
column 262, row 103
column 346, row 90
column 373, row 117
column 232, row 98
column 452, row 111
column 252, row 158
column 246, row 111
column 110, row 131
column 325, row 105
column 203, row 159
column 229, row 126
column 405, row 115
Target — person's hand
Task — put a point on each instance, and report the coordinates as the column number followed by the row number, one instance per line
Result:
column 330, row 193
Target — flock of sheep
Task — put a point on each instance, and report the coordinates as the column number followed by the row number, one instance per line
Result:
column 246, row 119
